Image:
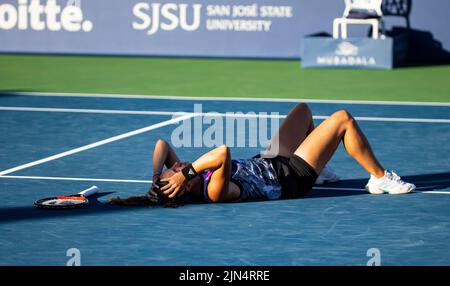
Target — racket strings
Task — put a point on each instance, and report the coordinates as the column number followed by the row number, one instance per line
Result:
column 61, row 202
column 73, row 198
column 67, row 202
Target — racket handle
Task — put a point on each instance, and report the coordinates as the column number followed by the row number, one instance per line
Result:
column 89, row 192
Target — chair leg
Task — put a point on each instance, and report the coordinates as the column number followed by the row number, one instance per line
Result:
column 335, row 29
column 344, row 30
column 375, row 30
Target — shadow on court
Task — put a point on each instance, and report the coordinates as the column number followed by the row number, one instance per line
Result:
column 428, row 182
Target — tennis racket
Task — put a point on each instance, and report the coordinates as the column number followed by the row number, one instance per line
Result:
column 79, row 200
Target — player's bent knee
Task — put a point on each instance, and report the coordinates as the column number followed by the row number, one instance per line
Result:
column 224, row 150
column 343, row 116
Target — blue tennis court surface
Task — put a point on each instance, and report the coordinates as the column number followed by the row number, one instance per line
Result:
column 52, row 145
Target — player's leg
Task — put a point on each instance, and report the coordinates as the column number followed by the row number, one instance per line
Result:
column 318, row 148
column 294, row 129
column 321, row 144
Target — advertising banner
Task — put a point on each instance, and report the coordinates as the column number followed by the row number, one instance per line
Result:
column 212, row 28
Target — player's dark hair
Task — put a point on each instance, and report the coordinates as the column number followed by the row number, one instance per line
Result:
column 163, row 199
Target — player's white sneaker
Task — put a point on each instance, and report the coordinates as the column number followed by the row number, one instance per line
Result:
column 390, row 183
column 327, row 176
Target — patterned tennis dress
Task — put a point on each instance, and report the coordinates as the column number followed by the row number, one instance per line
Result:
column 256, row 178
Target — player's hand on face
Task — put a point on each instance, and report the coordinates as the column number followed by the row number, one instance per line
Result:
column 152, row 196
column 155, row 183
column 155, row 178
column 174, row 185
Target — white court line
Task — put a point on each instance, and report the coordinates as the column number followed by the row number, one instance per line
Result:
column 96, row 144
column 212, row 98
column 140, row 112
column 338, row 189
column 436, row 192
column 399, row 119
column 149, row 182
column 82, row 110
column 360, row 189
column 433, row 181
column 76, row 179
column 236, row 115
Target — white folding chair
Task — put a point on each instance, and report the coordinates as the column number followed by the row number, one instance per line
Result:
column 359, row 12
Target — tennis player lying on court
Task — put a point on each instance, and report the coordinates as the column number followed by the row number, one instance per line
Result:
column 302, row 154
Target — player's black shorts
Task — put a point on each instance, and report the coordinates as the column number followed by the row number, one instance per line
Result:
column 295, row 175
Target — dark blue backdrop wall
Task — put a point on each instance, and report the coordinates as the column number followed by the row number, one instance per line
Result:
column 211, row 28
